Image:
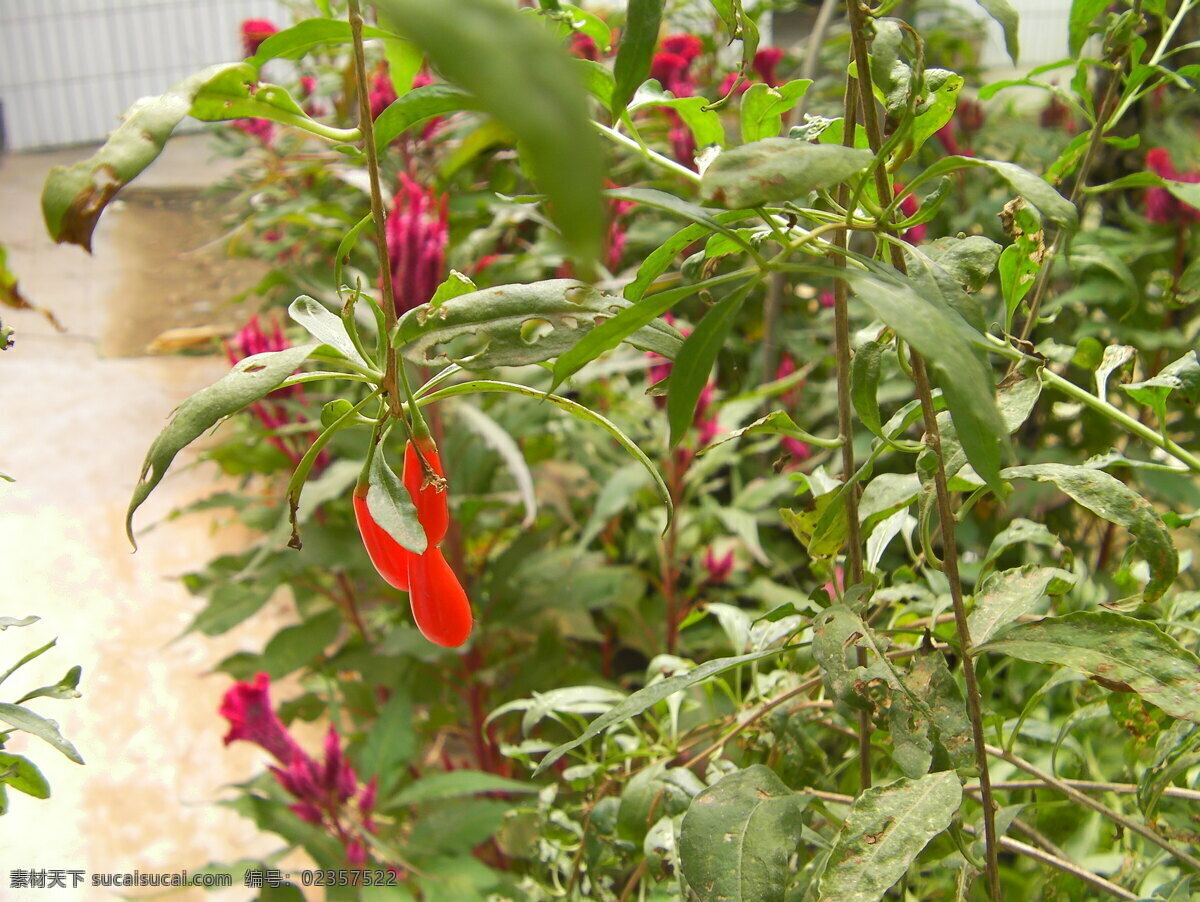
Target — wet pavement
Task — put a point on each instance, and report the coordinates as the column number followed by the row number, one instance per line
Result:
column 77, row 413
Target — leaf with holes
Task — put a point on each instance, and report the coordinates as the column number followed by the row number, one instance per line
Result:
column 512, row 325
column 887, row 828
column 1006, row 595
column 737, row 836
column 1118, row 652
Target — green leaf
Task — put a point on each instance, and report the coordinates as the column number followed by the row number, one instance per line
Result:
column 1111, row 499
column 864, row 384
column 777, row 422
column 598, row 79
column 456, row 285
column 1118, row 652
column 737, row 836
column 662, row 200
column 704, row 123
column 74, row 196
column 763, row 108
column 696, row 357
column 970, row 260
column 646, row 698
column 945, row 340
column 1005, row 596
column 22, row 775
column 512, row 325
column 660, row 259
column 498, row 439
column 235, row 93
column 634, row 319
column 297, row 40
column 392, row 507
column 43, row 728
column 1083, row 14
column 37, row 652
column 1177, row 752
column 391, row 743
column 438, row 787
column 1003, row 12
column 6, row 622
column 519, row 74
column 1034, row 189
column 1114, row 357
column 1182, row 377
column 887, row 828
column 778, row 169
column 63, row 689
column 249, row 380
column 638, row 40
column 325, row 326
column 941, row 100
column 231, row 603
column 296, row 646
column 417, row 106
column 741, row 27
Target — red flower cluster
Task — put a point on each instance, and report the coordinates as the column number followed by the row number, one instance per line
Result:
column 439, row 603
column 254, row 32
column 791, row 398
column 765, row 62
column 382, row 93
column 705, row 420
column 719, row 568
column 958, row 134
column 417, row 233
column 1162, row 206
column 273, row 411
column 329, row 794
column 909, row 207
column 262, row 129
column 616, row 236
column 671, row 67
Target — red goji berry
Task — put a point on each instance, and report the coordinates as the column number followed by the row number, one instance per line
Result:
column 439, row 602
column 431, row 501
column 390, row 558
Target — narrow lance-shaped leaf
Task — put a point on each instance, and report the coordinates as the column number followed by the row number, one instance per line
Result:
column 737, row 836
column 519, row 74
column 1180, row 378
column 1033, row 188
column 24, row 719
column 392, row 507
column 1002, row 11
column 1108, row 497
column 646, row 698
column 638, row 39
column 417, row 106
column 1118, row 652
column 249, row 380
column 74, row 196
column 945, row 340
column 886, row 829
column 695, row 360
column 297, row 40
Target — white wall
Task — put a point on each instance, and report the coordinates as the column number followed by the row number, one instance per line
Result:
column 69, row 68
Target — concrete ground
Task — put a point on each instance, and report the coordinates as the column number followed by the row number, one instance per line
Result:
column 77, row 413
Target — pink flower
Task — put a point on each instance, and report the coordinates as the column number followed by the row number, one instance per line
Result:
column 827, row 299
column 687, row 46
column 909, row 207
column 616, row 236
column 321, row 791
column 254, row 32
column 584, row 46
column 683, row 143
column 798, row 449
column 765, row 62
column 719, row 568
column 1162, row 207
column 308, row 85
column 417, row 233
column 671, row 71
column 247, row 707
column 1057, row 114
column 732, row 79
column 262, row 129
column 382, row 93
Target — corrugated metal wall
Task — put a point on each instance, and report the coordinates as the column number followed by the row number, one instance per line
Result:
column 69, row 68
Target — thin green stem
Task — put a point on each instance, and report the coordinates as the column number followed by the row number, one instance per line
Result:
column 858, row 33
column 652, row 156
